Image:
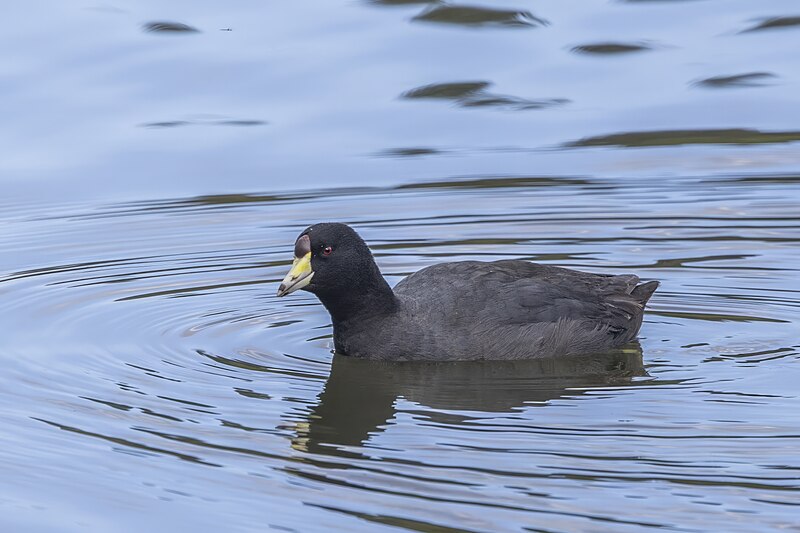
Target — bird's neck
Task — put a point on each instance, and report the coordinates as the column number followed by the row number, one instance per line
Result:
column 360, row 304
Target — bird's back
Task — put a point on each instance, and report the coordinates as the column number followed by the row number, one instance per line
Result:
column 512, row 310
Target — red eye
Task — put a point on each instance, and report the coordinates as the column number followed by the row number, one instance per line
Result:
column 327, row 251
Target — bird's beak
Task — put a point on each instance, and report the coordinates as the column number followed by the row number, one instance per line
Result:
column 298, row 277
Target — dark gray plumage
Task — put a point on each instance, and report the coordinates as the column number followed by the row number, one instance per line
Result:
column 466, row 310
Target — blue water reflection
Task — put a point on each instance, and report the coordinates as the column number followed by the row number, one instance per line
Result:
column 158, row 159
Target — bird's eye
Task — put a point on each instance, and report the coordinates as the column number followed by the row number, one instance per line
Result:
column 327, row 250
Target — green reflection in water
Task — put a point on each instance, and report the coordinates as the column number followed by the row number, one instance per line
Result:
column 476, row 16
column 774, row 23
column 679, row 137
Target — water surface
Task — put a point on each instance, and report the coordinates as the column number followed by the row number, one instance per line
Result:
column 158, row 162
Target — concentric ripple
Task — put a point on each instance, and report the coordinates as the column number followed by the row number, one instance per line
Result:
column 144, row 348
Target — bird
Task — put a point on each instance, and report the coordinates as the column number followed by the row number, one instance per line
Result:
column 464, row 310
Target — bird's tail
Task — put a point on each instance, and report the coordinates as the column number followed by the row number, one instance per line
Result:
column 643, row 292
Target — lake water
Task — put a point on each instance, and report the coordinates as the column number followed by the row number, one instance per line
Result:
column 158, row 160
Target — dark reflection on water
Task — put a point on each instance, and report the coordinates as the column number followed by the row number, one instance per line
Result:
column 169, row 27
column 411, row 152
column 774, row 23
column 475, row 94
column 493, row 182
column 359, row 396
column 760, row 179
column 611, row 48
column 510, row 102
column 204, row 122
column 449, row 91
column 479, row 16
column 749, row 79
column 655, row 1
column 680, row 137
column 401, row 2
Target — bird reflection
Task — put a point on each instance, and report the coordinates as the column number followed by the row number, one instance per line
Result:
column 359, row 398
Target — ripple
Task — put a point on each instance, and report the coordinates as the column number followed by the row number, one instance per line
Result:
column 206, row 121
column 656, row 1
column 148, row 365
column 493, row 182
column 393, row 3
column 166, row 353
column 411, row 152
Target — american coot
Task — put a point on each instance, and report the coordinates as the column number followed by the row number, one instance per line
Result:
column 463, row 310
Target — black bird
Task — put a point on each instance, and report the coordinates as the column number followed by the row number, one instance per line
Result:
column 463, row 310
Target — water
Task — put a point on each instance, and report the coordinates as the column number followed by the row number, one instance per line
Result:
column 155, row 177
